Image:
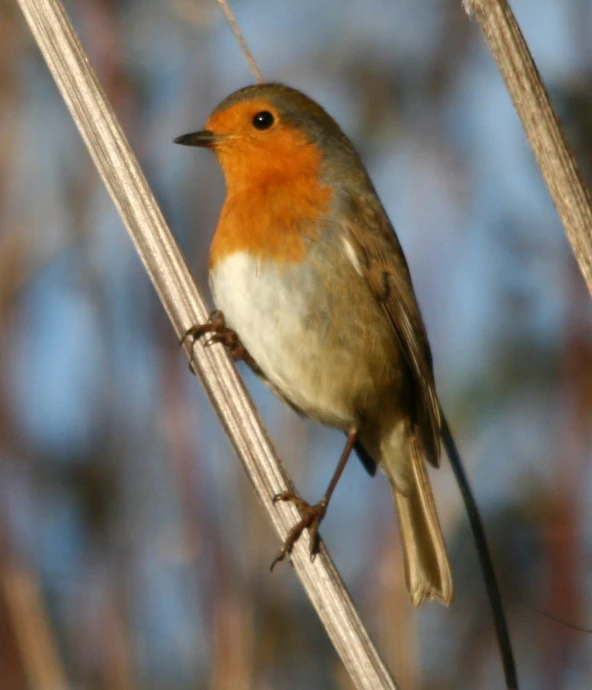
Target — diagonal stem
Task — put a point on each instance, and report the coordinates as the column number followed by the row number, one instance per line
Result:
column 119, row 169
column 541, row 124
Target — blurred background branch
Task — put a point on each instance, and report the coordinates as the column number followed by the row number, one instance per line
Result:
column 36, row 641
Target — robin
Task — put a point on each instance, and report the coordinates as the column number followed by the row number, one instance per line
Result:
column 314, row 292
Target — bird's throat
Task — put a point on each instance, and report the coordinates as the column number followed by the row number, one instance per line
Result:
column 273, row 218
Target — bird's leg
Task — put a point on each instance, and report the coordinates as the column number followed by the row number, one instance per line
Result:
column 312, row 516
column 220, row 333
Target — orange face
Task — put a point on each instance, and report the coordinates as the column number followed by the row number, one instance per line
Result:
column 256, row 147
column 275, row 196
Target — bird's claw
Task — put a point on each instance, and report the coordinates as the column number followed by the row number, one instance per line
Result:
column 219, row 333
column 312, row 516
column 215, row 324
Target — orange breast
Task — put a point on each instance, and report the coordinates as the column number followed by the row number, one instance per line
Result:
column 275, row 200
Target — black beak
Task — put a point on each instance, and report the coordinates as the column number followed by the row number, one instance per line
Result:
column 205, row 139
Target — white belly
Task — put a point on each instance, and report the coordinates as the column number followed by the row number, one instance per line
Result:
column 270, row 309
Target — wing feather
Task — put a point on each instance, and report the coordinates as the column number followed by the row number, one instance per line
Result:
column 385, row 270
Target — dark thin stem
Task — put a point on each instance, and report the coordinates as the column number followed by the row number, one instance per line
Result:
column 491, row 584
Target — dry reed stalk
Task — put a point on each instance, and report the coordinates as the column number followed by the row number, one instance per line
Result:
column 124, row 180
column 541, row 124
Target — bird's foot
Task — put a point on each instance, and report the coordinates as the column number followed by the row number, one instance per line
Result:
column 312, row 516
column 220, row 333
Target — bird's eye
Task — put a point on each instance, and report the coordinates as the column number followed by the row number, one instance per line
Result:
column 263, row 120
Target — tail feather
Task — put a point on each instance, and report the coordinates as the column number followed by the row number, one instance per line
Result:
column 427, row 570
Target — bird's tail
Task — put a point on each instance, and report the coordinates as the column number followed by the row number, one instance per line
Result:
column 427, row 571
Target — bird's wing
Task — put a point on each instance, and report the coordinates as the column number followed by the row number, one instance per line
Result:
column 383, row 265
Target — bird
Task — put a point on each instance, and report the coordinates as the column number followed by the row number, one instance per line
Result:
column 313, row 291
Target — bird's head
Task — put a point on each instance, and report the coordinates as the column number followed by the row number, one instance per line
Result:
column 268, row 132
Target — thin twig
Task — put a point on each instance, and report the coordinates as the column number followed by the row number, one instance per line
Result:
column 185, row 307
column 485, row 561
column 542, row 127
column 228, row 13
